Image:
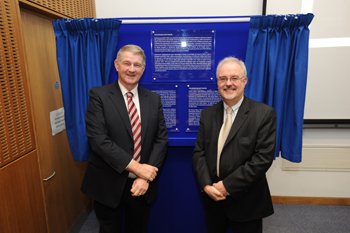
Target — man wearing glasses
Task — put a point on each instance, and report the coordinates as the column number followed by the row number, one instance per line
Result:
column 234, row 149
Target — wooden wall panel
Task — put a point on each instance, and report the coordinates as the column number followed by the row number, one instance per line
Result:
column 70, row 8
column 28, row 205
column 16, row 127
column 22, row 204
column 64, row 200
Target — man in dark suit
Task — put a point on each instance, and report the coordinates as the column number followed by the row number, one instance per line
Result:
column 232, row 176
column 122, row 169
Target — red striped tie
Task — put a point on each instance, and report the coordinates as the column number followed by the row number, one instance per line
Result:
column 135, row 126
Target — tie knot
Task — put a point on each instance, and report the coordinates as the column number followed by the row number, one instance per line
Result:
column 228, row 110
column 129, row 94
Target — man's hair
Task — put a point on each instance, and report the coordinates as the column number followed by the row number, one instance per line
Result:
column 232, row 59
column 134, row 49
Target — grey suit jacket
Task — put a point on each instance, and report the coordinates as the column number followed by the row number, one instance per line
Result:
column 247, row 155
column 110, row 137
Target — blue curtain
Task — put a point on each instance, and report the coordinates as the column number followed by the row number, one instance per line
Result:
column 86, row 49
column 277, row 62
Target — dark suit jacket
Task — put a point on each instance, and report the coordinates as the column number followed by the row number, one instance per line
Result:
column 247, row 155
column 110, row 137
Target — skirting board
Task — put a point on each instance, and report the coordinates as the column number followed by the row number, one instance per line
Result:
column 310, row 200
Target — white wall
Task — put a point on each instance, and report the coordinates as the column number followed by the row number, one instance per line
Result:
column 282, row 183
column 178, row 8
column 312, row 183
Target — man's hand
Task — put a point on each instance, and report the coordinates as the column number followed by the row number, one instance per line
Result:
column 220, row 187
column 215, row 194
column 139, row 187
column 143, row 171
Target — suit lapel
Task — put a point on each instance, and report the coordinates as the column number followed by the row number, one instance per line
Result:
column 117, row 98
column 241, row 116
column 218, row 119
column 144, row 108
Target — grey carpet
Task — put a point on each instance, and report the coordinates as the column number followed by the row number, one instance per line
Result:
column 286, row 219
column 308, row 219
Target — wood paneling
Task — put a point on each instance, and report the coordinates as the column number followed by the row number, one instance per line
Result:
column 16, row 127
column 63, row 198
column 28, row 151
column 69, row 8
column 22, row 204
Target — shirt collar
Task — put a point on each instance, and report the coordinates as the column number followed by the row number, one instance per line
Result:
column 124, row 90
column 236, row 106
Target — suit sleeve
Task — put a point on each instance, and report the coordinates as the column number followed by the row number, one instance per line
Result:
column 199, row 160
column 246, row 175
column 160, row 142
column 97, row 133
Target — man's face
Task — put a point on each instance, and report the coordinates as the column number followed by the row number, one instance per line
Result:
column 230, row 82
column 130, row 69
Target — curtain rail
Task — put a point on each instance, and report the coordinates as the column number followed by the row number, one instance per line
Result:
column 202, row 20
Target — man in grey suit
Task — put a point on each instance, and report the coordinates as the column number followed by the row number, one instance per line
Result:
column 232, row 176
column 121, row 175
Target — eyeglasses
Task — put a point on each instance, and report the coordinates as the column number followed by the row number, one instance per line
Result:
column 234, row 79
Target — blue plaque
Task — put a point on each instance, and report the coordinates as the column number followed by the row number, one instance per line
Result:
column 183, row 55
column 199, row 96
column 169, row 95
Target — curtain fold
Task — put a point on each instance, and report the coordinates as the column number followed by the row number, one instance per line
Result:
column 86, row 49
column 277, row 63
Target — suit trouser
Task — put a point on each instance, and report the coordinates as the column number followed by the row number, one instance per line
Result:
column 135, row 209
column 218, row 222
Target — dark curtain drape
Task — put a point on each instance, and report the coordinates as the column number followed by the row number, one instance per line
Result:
column 86, row 49
column 277, row 63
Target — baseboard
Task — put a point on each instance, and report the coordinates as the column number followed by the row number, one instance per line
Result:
column 82, row 218
column 311, row 200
